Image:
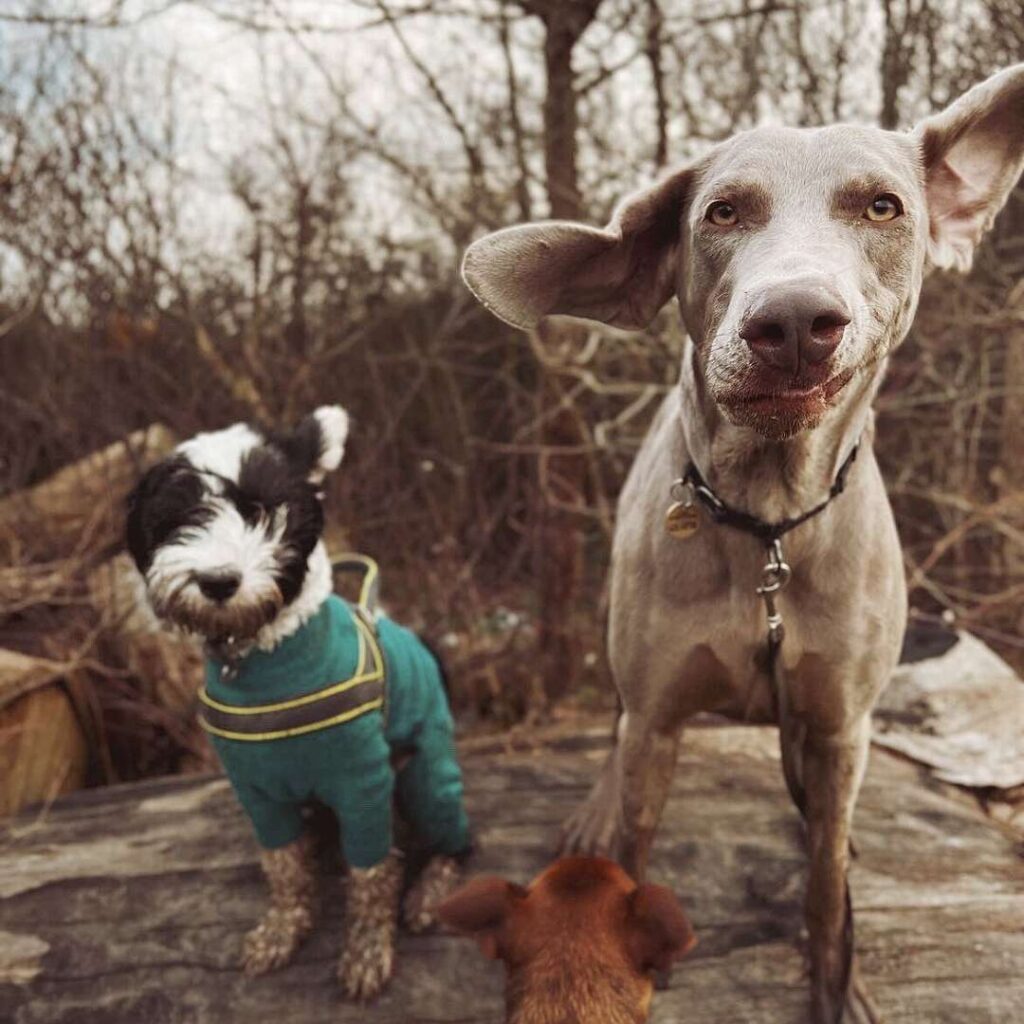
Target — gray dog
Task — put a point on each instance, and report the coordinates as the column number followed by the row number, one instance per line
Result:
column 797, row 257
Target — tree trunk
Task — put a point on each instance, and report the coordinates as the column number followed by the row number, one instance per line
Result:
column 655, row 21
column 518, row 139
column 296, row 332
column 1007, row 233
column 891, row 74
column 560, row 121
column 558, row 546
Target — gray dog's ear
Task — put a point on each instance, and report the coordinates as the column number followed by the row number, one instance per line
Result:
column 973, row 153
column 622, row 275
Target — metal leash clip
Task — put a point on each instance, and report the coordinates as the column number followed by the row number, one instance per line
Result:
column 774, row 578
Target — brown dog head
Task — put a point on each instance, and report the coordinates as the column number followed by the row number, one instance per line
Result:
column 579, row 944
column 797, row 254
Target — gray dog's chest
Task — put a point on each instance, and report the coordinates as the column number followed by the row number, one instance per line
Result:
column 706, row 644
column 717, row 648
column 689, row 630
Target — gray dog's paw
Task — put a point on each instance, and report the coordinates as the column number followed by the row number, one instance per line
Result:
column 860, row 1007
column 273, row 942
column 439, row 879
column 595, row 828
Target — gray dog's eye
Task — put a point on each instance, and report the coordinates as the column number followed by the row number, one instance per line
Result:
column 722, row 213
column 884, row 207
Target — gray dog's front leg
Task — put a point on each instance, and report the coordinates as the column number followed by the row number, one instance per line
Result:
column 621, row 814
column 833, row 767
column 647, row 761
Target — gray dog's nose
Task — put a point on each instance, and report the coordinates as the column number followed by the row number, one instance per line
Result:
column 795, row 324
column 218, row 586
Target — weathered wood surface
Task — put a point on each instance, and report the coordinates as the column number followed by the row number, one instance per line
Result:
column 129, row 904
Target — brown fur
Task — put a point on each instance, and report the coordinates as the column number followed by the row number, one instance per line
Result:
column 579, row 944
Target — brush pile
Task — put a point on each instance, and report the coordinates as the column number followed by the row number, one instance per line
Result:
column 90, row 690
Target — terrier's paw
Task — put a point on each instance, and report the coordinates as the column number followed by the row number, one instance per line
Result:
column 372, row 916
column 439, row 879
column 273, row 942
column 365, row 969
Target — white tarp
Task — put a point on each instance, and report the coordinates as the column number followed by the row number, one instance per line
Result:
column 961, row 713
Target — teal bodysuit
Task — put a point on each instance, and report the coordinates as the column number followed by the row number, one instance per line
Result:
column 321, row 716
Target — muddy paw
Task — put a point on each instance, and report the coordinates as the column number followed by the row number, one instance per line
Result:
column 860, row 1007
column 438, row 880
column 372, row 915
column 365, row 969
column 274, row 941
column 594, row 829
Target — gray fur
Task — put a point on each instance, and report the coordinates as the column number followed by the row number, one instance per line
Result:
column 686, row 627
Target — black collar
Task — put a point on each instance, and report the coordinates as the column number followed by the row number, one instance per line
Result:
column 767, row 533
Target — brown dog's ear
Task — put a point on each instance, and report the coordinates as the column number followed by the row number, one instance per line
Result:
column 479, row 909
column 973, row 153
column 622, row 275
column 658, row 930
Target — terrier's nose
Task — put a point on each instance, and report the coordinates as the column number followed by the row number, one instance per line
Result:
column 795, row 324
column 218, row 586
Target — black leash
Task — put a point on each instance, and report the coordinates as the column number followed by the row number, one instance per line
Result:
column 682, row 521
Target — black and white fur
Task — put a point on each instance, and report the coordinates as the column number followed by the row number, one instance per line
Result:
column 226, row 531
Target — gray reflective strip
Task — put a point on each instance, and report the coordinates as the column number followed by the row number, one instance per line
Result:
column 368, row 567
column 304, row 716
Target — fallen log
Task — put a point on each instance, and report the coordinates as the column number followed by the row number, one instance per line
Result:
column 167, row 668
column 44, row 749
column 79, row 508
column 129, row 904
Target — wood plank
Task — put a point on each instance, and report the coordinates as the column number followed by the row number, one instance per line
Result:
column 128, row 904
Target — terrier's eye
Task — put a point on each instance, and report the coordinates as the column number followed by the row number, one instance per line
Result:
column 250, row 510
column 722, row 213
column 884, row 207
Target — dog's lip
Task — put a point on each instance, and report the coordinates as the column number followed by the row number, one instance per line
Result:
column 796, row 393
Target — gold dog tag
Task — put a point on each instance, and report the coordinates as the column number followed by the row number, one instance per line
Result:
column 682, row 519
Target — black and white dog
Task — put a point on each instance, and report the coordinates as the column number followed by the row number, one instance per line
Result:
column 226, row 531
column 306, row 696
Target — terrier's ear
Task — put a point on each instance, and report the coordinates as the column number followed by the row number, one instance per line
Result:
column 480, row 909
column 658, row 931
column 317, row 443
column 973, row 154
column 157, row 503
column 136, row 536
